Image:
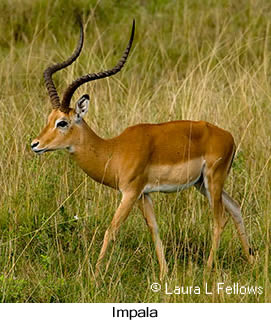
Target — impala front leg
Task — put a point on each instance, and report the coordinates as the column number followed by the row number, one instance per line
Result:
column 126, row 204
column 145, row 205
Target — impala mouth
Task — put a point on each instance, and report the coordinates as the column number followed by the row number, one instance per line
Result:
column 39, row 151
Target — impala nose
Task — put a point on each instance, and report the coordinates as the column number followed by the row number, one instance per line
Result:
column 34, row 144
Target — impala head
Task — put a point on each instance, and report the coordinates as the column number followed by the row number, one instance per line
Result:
column 64, row 121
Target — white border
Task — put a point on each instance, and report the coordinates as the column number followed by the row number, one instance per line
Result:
column 103, row 312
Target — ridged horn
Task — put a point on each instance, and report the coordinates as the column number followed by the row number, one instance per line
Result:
column 65, row 104
column 49, row 83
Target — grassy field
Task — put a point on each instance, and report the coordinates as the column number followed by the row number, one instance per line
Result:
column 201, row 60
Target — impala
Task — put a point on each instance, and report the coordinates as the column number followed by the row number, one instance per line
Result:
column 144, row 158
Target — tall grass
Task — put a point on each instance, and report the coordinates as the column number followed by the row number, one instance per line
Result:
column 206, row 60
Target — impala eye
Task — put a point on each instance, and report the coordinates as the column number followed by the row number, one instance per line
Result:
column 62, row 124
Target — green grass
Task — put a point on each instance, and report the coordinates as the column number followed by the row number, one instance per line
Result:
column 201, row 60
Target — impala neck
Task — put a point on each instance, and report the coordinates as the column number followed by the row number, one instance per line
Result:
column 93, row 155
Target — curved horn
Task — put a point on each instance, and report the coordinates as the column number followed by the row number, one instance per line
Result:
column 49, row 83
column 65, row 104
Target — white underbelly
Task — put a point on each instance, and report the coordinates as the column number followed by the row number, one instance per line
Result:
column 174, row 178
column 168, row 188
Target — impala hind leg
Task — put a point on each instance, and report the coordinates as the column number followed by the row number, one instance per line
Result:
column 214, row 179
column 126, row 204
column 145, row 205
column 220, row 221
column 234, row 209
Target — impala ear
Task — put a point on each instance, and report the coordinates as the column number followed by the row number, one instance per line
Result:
column 81, row 107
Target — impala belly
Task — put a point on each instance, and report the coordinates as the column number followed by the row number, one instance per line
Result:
column 173, row 178
column 168, row 188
